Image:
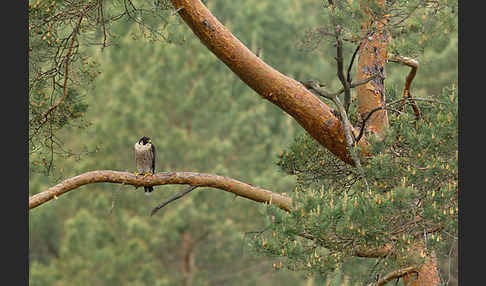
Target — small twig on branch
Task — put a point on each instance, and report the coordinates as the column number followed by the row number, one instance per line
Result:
column 318, row 88
column 363, row 81
column 171, row 199
column 350, row 141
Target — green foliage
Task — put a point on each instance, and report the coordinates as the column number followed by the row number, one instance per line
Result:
column 202, row 118
column 59, row 75
column 307, row 160
column 61, row 69
column 412, row 196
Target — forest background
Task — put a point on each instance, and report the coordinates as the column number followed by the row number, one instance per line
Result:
column 201, row 118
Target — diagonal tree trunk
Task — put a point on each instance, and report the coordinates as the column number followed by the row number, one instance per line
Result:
column 290, row 95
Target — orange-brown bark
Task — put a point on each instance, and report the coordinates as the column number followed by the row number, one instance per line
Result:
column 371, row 61
column 290, row 95
column 427, row 274
column 185, row 178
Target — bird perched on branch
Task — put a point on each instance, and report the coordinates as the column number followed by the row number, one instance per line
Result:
column 145, row 159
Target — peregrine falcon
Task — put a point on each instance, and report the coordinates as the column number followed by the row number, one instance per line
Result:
column 145, row 159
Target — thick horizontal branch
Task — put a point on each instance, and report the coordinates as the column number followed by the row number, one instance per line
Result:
column 166, row 178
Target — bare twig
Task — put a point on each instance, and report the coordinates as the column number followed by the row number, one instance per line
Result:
column 361, row 131
column 113, row 198
column 318, row 89
column 348, row 77
column 363, row 81
column 171, row 199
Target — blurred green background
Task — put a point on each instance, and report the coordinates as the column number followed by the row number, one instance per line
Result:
column 201, row 118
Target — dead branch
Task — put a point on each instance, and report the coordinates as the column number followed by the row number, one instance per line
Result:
column 408, row 81
column 394, row 275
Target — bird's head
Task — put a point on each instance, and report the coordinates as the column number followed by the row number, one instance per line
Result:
column 144, row 140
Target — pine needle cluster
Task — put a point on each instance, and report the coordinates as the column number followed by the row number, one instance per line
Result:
column 411, row 198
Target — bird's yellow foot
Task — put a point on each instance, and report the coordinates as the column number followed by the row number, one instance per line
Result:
column 142, row 174
column 146, row 174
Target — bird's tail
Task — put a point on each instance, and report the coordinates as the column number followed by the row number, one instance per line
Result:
column 148, row 190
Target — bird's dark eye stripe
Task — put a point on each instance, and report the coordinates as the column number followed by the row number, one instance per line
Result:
column 144, row 140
